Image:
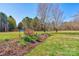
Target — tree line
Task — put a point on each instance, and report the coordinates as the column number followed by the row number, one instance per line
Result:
column 49, row 18
column 6, row 23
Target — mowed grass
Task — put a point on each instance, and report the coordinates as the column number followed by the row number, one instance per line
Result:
column 63, row 43
column 13, row 35
column 9, row 35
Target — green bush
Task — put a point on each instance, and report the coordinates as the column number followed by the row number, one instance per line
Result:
column 7, row 39
column 34, row 37
column 29, row 38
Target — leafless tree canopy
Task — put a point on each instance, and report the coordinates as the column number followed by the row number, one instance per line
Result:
column 57, row 16
column 42, row 11
column 50, row 13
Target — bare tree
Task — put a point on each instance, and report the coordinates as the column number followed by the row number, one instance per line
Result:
column 50, row 13
column 43, row 14
column 56, row 16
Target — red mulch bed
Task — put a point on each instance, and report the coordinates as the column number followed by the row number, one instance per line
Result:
column 13, row 48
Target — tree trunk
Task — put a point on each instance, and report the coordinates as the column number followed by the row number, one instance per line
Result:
column 44, row 28
column 1, row 26
column 19, row 34
column 56, row 30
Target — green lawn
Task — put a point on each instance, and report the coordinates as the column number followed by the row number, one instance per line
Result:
column 12, row 35
column 65, row 43
column 9, row 35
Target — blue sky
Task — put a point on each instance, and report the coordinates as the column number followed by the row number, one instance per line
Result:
column 19, row 11
column 70, row 9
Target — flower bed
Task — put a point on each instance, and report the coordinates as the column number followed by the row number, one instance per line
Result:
column 20, row 47
column 13, row 48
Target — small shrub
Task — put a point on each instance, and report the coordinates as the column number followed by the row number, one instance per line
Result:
column 7, row 39
column 42, row 37
column 29, row 38
column 29, row 32
column 34, row 37
column 30, row 35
